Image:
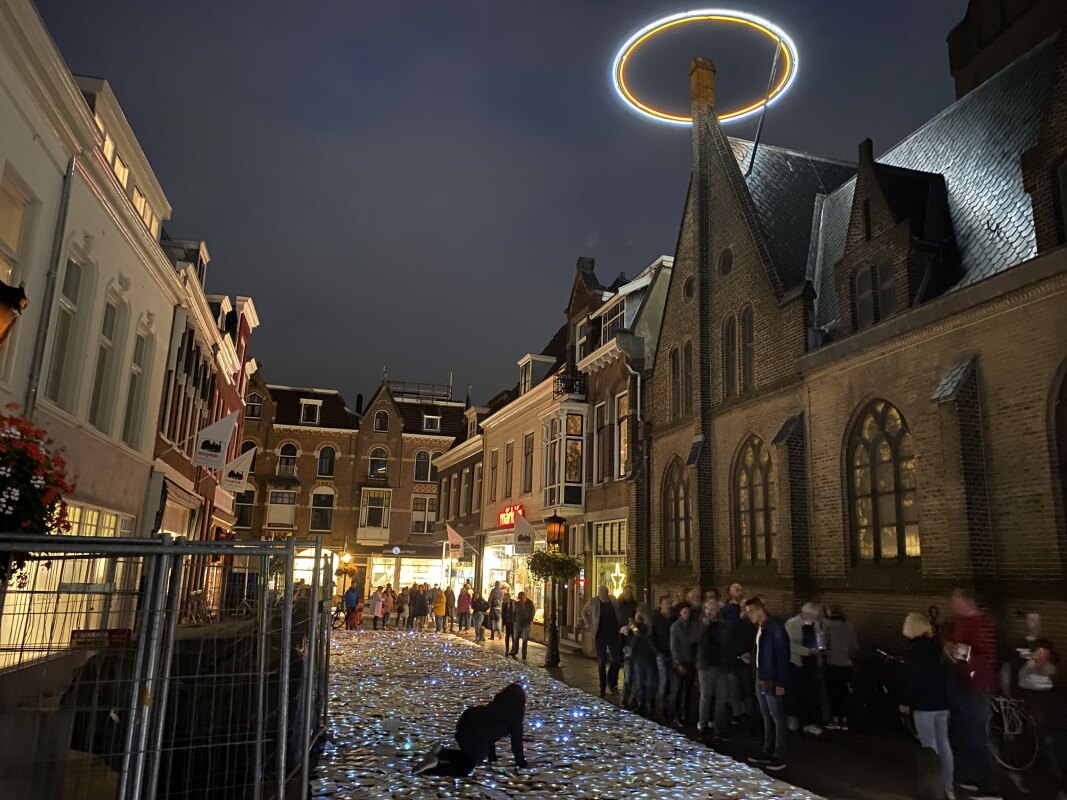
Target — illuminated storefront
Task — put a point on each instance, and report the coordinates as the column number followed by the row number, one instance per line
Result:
column 609, row 556
column 501, row 563
column 402, row 564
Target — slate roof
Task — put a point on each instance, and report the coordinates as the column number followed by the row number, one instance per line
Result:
column 332, row 412
column 953, row 379
column 910, row 193
column 783, row 186
column 412, row 412
column 975, row 144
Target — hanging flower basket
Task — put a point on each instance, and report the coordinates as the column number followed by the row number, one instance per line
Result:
column 347, row 571
column 33, row 482
column 546, row 565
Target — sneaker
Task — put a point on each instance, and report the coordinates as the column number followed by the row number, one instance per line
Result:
column 775, row 765
column 793, row 724
column 968, row 787
column 833, row 726
column 812, row 730
column 701, row 726
column 760, row 760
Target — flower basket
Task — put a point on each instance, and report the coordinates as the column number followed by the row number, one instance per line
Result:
column 33, row 481
column 546, row 565
column 347, row 571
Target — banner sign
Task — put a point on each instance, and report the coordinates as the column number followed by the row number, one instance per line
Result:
column 524, row 537
column 455, row 542
column 235, row 474
column 213, row 441
column 101, row 637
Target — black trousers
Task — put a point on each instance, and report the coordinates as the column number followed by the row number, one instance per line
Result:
column 608, row 660
column 453, row 763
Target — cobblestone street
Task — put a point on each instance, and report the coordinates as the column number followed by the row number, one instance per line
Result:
column 394, row 695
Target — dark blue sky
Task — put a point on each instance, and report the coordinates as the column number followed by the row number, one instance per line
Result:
column 409, row 184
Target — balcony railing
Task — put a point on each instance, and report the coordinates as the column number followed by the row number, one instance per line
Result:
column 568, row 385
column 286, row 470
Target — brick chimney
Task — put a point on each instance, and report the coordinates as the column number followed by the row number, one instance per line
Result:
column 702, row 82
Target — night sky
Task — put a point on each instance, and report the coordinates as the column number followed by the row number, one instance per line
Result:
column 408, row 185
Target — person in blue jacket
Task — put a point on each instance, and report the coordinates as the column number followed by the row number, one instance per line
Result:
column 772, row 677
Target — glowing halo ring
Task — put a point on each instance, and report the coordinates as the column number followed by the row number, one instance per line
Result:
column 767, row 28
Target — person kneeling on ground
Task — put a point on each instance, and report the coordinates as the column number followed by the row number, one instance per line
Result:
column 477, row 732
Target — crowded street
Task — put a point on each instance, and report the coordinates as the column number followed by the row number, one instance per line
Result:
column 395, row 695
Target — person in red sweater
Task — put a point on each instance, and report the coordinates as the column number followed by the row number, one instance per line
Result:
column 970, row 644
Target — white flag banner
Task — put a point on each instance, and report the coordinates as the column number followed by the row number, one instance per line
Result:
column 235, row 474
column 455, row 542
column 213, row 441
column 524, row 536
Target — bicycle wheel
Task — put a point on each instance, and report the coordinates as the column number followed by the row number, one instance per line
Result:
column 338, row 620
column 1012, row 736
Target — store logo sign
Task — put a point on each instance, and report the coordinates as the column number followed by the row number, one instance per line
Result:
column 396, row 551
column 506, row 518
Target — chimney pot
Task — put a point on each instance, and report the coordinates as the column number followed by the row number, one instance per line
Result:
column 867, row 151
column 359, row 403
column 586, row 264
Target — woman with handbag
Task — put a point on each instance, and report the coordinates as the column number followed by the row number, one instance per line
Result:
column 685, row 633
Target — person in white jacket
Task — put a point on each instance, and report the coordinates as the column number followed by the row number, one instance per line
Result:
column 377, row 602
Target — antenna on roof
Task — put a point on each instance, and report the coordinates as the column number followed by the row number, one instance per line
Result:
column 763, row 114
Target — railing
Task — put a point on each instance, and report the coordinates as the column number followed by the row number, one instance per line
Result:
column 286, row 470
column 568, row 385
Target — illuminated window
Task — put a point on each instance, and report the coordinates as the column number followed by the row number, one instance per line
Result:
column 622, row 437
column 677, row 516
column 729, row 358
column 379, row 463
column 882, row 486
column 109, row 148
column 138, row 201
column 754, row 519
column 13, row 207
column 122, row 172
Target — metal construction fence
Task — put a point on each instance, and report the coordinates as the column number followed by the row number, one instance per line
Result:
column 160, row 668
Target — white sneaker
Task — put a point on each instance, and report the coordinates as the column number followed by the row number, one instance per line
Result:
column 700, row 727
column 812, row 730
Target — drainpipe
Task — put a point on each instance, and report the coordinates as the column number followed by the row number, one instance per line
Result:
column 55, row 260
column 647, row 521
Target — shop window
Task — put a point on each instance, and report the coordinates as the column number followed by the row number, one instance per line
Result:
column 754, row 520
column 882, row 487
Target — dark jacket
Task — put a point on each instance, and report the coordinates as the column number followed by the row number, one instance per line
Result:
column 626, row 609
column 450, row 601
column 925, row 678
column 420, row 605
column 642, row 650
column 479, row 605
column 480, row 727
column 733, row 644
column 684, row 637
column 772, row 663
column 523, row 612
column 709, row 645
column 507, row 612
column 661, row 633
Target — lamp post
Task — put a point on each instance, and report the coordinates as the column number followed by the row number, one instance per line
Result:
column 346, row 559
column 555, row 527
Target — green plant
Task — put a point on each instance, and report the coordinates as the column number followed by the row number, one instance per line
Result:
column 547, row 565
column 33, row 481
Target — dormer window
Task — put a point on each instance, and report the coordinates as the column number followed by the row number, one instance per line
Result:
column 525, row 377
column 431, row 422
column 309, row 412
column 381, row 421
column 472, row 428
column 611, row 323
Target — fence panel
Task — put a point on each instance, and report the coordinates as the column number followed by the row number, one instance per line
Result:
column 153, row 668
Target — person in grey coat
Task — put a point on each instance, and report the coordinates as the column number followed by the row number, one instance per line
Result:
column 842, row 645
column 685, row 633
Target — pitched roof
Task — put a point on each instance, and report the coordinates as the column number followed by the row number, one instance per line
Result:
column 975, row 144
column 783, row 185
column 413, row 412
column 332, row 411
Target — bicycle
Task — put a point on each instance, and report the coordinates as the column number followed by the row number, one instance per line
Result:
column 337, row 619
column 1012, row 733
column 198, row 613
